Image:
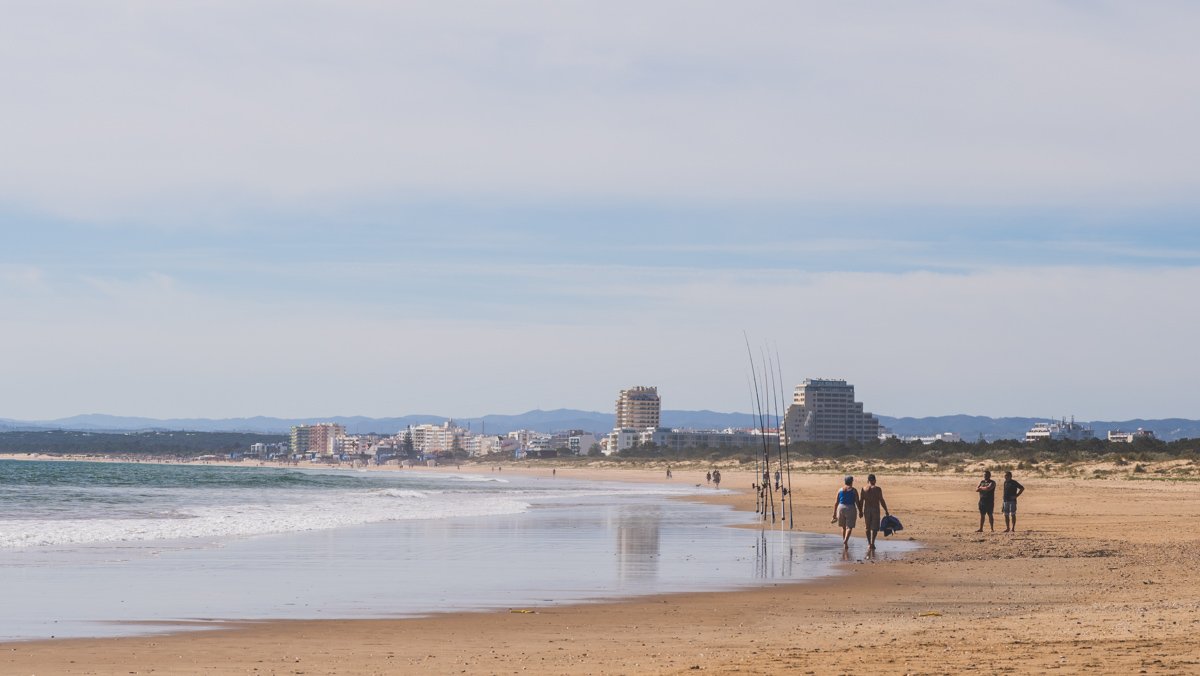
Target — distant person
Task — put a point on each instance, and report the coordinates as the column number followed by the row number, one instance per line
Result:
column 872, row 501
column 717, row 478
column 987, row 501
column 554, row 472
column 846, row 509
column 778, row 477
column 708, row 478
column 1012, row 490
column 668, row 471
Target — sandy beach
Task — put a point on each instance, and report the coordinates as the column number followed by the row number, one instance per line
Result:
column 1100, row 578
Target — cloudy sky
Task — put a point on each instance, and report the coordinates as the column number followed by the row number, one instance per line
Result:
column 316, row 208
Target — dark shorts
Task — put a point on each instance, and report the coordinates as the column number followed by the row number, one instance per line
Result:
column 987, row 507
column 1009, row 507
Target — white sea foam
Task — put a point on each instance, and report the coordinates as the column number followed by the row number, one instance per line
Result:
column 330, row 510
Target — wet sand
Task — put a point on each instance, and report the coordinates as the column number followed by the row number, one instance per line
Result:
column 1104, row 580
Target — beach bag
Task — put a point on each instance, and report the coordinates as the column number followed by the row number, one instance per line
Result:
column 890, row 524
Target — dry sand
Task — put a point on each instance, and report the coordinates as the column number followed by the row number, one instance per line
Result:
column 1102, row 577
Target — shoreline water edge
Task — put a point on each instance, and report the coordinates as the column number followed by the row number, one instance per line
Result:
column 1092, row 581
column 130, row 549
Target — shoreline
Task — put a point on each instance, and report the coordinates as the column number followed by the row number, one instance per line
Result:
column 1099, row 584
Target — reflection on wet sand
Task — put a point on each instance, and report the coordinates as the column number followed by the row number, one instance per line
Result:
column 638, row 539
column 775, row 554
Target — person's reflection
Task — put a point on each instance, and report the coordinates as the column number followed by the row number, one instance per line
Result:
column 638, row 542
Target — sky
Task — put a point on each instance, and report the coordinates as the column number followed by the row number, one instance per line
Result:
column 225, row 209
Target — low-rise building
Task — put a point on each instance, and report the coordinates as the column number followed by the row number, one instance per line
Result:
column 1129, row 437
column 1059, row 431
column 679, row 439
column 927, row 439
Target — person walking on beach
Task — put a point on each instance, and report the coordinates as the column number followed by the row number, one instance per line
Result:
column 987, row 500
column 708, row 478
column 717, row 478
column 872, row 501
column 847, row 509
column 668, row 471
column 1012, row 490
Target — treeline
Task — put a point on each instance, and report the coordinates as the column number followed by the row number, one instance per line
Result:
column 900, row 450
column 132, row 443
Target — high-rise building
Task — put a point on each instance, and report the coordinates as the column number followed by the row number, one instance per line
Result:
column 316, row 439
column 638, row 408
column 825, row 410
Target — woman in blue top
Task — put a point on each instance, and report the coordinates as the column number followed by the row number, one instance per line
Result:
column 847, row 509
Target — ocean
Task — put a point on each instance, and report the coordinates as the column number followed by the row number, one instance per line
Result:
column 105, row 549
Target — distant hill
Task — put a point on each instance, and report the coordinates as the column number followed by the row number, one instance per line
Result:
column 969, row 427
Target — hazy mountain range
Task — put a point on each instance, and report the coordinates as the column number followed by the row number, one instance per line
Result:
column 969, row 427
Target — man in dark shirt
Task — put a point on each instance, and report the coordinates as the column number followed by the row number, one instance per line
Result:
column 1012, row 489
column 987, row 500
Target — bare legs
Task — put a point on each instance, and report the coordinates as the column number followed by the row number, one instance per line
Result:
column 990, row 519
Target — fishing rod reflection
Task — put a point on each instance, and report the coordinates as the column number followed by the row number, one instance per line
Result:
column 776, row 554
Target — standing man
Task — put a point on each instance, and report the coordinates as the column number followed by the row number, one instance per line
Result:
column 1012, row 490
column 987, row 500
column 846, row 509
column 872, row 501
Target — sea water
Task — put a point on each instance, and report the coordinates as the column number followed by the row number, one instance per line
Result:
column 99, row 549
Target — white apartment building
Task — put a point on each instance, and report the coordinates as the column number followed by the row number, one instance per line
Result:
column 824, row 410
column 477, row 445
column 433, row 439
column 622, row 439
column 530, row 439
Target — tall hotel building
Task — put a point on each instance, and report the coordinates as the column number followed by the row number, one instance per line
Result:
column 825, row 410
column 638, row 408
column 318, row 439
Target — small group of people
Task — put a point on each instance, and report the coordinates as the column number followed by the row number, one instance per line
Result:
column 713, row 477
column 1011, row 490
column 852, row 505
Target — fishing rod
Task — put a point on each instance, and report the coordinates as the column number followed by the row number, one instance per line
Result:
column 770, row 392
column 785, row 441
column 757, row 493
column 758, row 407
column 775, row 394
